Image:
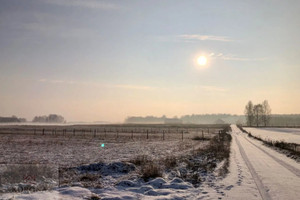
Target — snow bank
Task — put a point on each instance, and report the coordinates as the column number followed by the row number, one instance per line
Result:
column 280, row 134
column 68, row 193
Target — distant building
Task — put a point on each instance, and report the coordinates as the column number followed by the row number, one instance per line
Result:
column 219, row 121
column 173, row 121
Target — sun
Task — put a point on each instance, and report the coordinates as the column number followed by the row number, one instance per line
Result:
column 202, row 60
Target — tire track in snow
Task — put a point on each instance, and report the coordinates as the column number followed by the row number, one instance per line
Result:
column 282, row 163
column 261, row 188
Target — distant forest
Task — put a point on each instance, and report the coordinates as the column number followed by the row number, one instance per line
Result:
column 276, row 119
column 11, row 119
column 285, row 120
column 190, row 119
column 52, row 118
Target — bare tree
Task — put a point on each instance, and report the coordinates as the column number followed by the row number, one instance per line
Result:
column 266, row 117
column 258, row 113
column 249, row 113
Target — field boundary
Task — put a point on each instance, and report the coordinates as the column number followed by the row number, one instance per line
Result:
column 117, row 133
column 291, row 150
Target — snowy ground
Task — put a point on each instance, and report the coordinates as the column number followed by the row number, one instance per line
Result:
column 262, row 172
column 68, row 152
column 255, row 172
column 290, row 135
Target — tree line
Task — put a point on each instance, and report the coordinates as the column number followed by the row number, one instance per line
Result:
column 52, row 118
column 188, row 119
column 259, row 114
column 11, row 119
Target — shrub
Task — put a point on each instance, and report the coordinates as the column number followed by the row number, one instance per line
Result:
column 89, row 177
column 170, row 162
column 140, row 160
column 199, row 138
column 151, row 170
column 94, row 197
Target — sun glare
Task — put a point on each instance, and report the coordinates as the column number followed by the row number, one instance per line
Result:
column 202, row 60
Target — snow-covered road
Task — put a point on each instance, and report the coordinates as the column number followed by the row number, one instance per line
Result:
column 258, row 172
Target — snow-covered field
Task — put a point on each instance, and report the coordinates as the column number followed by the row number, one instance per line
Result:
column 255, row 171
column 119, row 178
column 68, row 152
column 290, row 135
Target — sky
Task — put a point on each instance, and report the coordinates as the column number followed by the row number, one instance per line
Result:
column 94, row 60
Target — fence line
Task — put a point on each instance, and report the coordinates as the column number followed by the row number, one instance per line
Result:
column 112, row 133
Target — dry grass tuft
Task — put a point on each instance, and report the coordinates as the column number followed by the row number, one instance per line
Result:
column 170, row 162
column 89, row 177
column 140, row 160
column 151, row 170
column 200, row 138
column 94, row 197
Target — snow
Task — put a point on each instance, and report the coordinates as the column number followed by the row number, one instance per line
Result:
column 290, row 135
column 255, row 172
column 278, row 181
column 68, row 152
column 70, row 193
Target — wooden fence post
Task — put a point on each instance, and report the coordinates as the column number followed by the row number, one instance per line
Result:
column 74, row 132
column 182, row 135
column 147, row 134
column 43, row 131
column 163, row 135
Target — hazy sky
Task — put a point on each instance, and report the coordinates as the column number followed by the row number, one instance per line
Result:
column 93, row 60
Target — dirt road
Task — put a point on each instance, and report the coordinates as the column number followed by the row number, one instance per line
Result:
column 258, row 172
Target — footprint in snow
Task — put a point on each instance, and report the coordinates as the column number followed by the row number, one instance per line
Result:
column 229, row 187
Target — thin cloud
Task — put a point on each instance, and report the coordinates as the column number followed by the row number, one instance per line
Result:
column 134, row 87
column 213, row 88
column 50, row 25
column 92, row 4
column 61, row 31
column 241, row 59
column 195, row 37
column 93, row 84
column 233, row 57
column 56, row 81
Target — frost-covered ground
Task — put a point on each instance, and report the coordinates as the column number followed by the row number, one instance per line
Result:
column 255, row 172
column 290, row 135
column 119, row 179
column 67, row 152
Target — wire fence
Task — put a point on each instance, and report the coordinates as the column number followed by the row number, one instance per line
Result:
column 157, row 133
